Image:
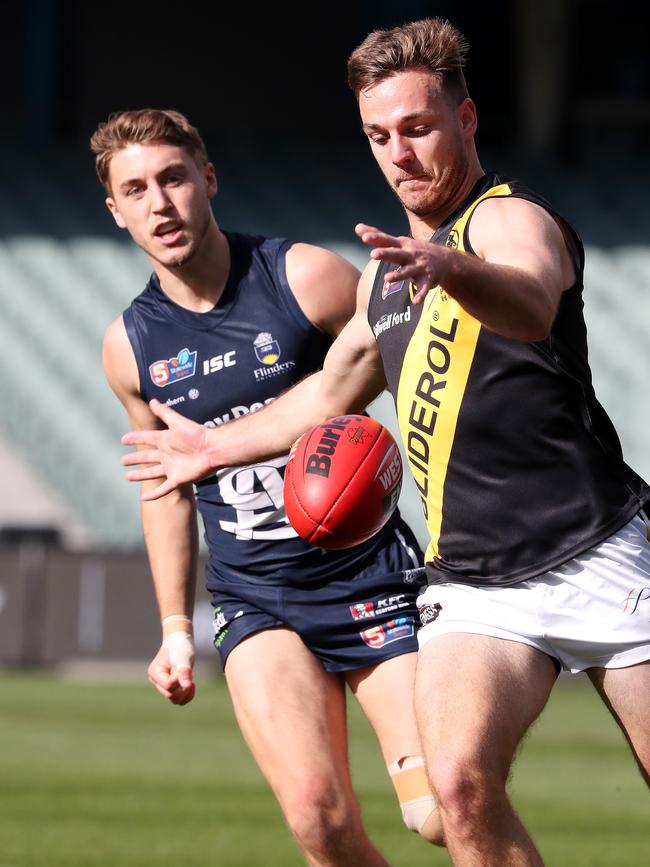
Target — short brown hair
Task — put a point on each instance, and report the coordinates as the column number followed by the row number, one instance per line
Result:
column 433, row 44
column 144, row 126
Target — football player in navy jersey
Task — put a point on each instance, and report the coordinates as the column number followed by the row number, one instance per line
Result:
column 227, row 322
column 539, row 556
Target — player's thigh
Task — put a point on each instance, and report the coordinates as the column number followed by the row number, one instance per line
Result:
column 386, row 693
column 477, row 695
column 626, row 691
column 290, row 711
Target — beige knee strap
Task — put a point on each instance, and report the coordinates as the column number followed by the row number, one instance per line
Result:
column 418, row 805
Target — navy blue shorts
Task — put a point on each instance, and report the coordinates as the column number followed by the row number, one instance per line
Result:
column 352, row 621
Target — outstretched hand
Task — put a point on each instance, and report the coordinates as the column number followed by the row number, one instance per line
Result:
column 420, row 262
column 176, row 455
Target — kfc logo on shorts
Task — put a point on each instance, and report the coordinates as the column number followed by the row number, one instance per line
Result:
column 360, row 610
column 429, row 613
column 392, row 603
column 167, row 371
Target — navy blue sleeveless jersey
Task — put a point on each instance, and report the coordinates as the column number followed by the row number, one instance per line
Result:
column 217, row 366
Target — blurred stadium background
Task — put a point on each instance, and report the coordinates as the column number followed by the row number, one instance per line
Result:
column 563, row 91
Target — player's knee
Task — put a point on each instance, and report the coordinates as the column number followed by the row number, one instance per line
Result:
column 320, row 820
column 417, row 803
column 466, row 792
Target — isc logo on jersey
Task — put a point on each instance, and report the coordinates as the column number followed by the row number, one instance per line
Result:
column 169, row 370
column 218, row 362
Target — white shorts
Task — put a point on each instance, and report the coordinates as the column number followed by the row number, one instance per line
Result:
column 593, row 611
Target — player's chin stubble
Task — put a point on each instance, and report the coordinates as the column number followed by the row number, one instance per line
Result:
column 444, row 192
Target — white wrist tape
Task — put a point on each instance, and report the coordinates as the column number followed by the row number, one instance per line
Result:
column 180, row 647
column 176, row 623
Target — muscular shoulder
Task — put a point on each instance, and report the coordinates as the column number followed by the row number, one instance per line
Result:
column 510, row 229
column 324, row 285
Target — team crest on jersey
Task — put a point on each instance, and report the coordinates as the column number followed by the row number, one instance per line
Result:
column 452, row 239
column 391, row 288
column 361, row 610
column 267, row 349
column 169, row 370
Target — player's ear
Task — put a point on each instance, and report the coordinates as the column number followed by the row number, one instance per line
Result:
column 467, row 117
column 112, row 207
column 211, row 180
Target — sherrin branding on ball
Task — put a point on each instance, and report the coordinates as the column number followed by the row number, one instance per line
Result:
column 342, row 481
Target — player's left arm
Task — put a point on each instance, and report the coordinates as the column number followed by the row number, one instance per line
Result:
column 514, row 283
column 324, row 285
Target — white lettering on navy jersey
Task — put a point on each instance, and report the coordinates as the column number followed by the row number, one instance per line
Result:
column 217, row 362
column 274, row 370
column 256, row 493
column 236, row 412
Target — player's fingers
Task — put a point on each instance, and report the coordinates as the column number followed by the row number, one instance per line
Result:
column 391, row 254
column 371, row 235
column 166, row 693
column 183, row 696
column 362, row 228
column 156, row 493
column 421, row 294
column 141, row 438
column 185, row 677
column 146, row 474
column 165, row 413
column 152, row 456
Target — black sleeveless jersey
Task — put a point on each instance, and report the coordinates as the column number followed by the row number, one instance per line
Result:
column 517, row 464
column 216, row 366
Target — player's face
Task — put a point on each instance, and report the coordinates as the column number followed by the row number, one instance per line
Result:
column 420, row 140
column 162, row 197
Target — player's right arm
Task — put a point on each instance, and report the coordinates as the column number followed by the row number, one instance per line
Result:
column 351, row 377
column 170, row 532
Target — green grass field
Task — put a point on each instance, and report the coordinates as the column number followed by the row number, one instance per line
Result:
column 111, row 776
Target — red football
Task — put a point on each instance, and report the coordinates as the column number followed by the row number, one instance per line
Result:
column 342, row 481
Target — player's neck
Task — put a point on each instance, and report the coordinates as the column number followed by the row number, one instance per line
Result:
column 198, row 284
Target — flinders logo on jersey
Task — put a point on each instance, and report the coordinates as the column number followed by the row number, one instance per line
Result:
column 267, row 349
column 180, row 366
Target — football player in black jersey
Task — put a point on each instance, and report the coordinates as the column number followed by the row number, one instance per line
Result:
column 289, row 647
column 539, row 556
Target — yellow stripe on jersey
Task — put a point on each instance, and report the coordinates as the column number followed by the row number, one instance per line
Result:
column 432, row 385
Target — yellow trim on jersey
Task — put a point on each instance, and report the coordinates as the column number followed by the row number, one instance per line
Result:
column 432, row 386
